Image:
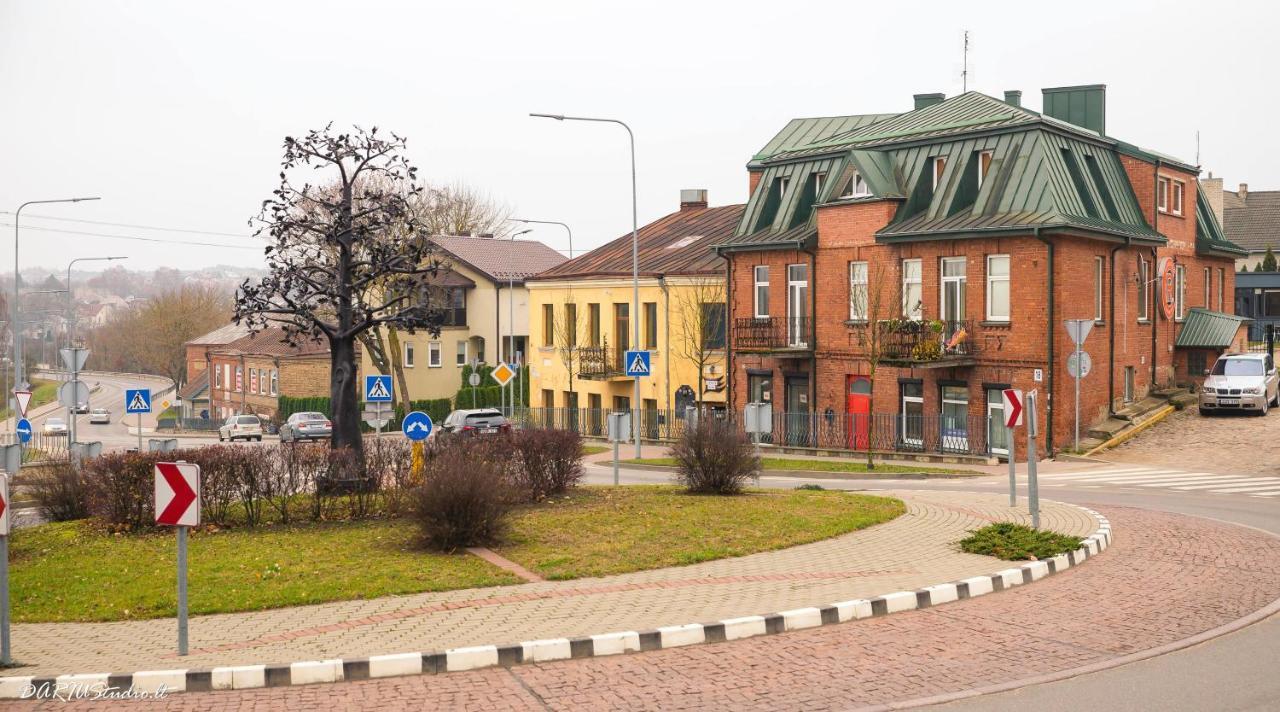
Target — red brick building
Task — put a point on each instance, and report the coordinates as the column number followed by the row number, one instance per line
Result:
column 251, row 373
column 945, row 247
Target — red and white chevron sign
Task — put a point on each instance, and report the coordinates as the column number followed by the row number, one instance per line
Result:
column 178, row 494
column 4, row 505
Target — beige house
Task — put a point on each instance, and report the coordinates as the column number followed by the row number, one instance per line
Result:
column 488, row 312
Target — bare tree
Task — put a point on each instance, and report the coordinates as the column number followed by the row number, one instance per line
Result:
column 872, row 303
column 169, row 320
column 333, row 271
column 699, row 315
column 459, row 209
column 568, row 335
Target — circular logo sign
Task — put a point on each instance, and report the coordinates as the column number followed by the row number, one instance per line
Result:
column 1168, row 287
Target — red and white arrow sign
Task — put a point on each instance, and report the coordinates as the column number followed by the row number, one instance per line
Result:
column 4, row 505
column 1012, row 407
column 23, row 398
column 178, row 494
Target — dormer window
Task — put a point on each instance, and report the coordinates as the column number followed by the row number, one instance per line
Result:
column 818, row 180
column 856, row 188
column 984, row 165
column 939, row 166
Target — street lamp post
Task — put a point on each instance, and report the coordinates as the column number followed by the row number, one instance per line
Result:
column 511, row 325
column 549, row 222
column 635, row 260
column 14, row 313
column 74, row 366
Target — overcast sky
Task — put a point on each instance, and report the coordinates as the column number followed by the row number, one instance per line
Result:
column 174, row 112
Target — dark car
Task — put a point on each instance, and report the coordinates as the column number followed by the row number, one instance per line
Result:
column 306, row 426
column 480, row 421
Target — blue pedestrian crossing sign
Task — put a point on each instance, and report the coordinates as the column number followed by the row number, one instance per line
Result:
column 377, row 389
column 24, row 431
column 137, row 400
column 638, row 363
column 417, row 425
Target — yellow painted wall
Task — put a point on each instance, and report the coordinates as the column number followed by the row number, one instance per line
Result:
column 670, row 370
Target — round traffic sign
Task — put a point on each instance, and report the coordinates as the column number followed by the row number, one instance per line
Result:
column 24, row 431
column 474, row 379
column 417, row 425
column 1080, row 368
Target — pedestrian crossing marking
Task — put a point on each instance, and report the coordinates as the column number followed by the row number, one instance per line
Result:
column 378, row 390
column 1174, row 480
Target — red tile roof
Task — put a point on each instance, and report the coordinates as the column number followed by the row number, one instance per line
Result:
column 679, row 243
column 498, row 258
column 270, row 342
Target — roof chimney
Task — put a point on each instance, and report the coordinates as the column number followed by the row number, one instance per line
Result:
column 1013, row 97
column 1243, row 192
column 691, row 198
column 1211, row 189
column 923, row 100
column 1085, row 106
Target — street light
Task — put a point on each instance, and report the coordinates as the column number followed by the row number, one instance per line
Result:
column 511, row 321
column 73, row 366
column 635, row 258
column 14, row 313
column 549, row 222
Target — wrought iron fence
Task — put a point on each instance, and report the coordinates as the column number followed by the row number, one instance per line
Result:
column 772, row 333
column 1263, row 337
column 926, row 340
column 600, row 361
column 885, row 432
column 40, row 447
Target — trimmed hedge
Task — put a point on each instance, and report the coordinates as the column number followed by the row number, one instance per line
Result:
column 489, row 394
column 437, row 408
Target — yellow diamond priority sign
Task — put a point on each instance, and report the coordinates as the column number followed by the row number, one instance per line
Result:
column 502, row 373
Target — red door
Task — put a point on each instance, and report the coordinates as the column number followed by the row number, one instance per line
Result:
column 859, row 412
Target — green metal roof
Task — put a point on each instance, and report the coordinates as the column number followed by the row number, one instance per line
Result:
column 1204, row 329
column 1210, row 238
column 800, row 133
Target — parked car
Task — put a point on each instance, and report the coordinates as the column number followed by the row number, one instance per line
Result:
column 243, row 427
column 305, row 426
column 480, row 421
column 55, row 426
column 100, row 416
column 1241, row 382
column 81, row 408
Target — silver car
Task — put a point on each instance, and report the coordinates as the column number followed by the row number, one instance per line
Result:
column 1240, row 382
column 100, row 416
column 306, row 426
column 244, row 427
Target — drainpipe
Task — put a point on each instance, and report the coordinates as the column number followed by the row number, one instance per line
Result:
column 1048, row 441
column 1111, row 332
column 666, row 362
column 729, row 373
column 813, row 340
column 1155, row 318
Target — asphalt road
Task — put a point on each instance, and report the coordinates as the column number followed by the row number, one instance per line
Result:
column 1233, row 672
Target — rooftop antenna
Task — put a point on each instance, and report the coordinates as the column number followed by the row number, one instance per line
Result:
column 964, row 74
column 1197, row 147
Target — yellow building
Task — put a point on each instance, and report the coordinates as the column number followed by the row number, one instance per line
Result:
column 580, row 322
column 487, row 310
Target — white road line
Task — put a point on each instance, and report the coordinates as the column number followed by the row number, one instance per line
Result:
column 1148, row 478
column 1264, row 494
column 1101, row 473
column 1248, row 488
column 1238, row 481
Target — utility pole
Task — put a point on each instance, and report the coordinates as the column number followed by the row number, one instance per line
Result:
column 964, row 74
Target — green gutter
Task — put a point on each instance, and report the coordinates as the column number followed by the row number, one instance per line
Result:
column 979, row 232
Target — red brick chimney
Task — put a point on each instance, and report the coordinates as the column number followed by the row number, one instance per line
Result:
column 693, row 198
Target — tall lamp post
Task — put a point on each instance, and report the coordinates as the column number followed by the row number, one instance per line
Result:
column 635, row 260
column 511, row 325
column 74, row 365
column 14, row 313
column 549, row 222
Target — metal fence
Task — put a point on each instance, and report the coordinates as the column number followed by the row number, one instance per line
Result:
column 887, row 432
column 40, row 447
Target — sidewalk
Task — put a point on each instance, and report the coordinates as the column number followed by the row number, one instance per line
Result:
column 913, row 551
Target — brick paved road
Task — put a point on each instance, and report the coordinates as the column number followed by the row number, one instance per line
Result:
column 1166, row 578
column 1230, row 444
column 915, row 550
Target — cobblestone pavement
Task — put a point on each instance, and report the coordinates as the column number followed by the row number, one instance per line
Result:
column 1228, row 444
column 915, row 550
column 1165, row 578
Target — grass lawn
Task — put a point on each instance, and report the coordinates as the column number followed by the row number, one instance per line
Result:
column 594, row 449
column 42, row 391
column 782, row 463
column 1016, row 542
column 73, row 571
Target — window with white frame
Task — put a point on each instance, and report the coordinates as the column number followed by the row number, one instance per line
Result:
column 1208, row 286
column 1099, row 272
column 984, row 165
column 1162, row 194
column 408, row 354
column 433, row 354
column 1144, row 277
column 462, row 352
column 217, row 372
column 239, row 379
column 939, row 167
column 1180, row 293
column 913, row 289
column 1175, row 200
column 761, row 274
column 856, row 187
column 954, row 278
column 275, row 382
column 998, row 308
column 818, row 180
column 858, row 295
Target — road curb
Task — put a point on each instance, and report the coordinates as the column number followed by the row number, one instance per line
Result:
column 306, row 672
column 607, row 465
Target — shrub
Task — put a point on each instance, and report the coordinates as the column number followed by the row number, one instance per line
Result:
column 59, row 491
column 549, row 462
column 1009, row 541
column 119, row 487
column 466, row 495
column 389, row 462
column 714, row 458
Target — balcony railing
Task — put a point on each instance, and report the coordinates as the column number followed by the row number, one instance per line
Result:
column 774, row 333
column 926, row 341
column 595, row 362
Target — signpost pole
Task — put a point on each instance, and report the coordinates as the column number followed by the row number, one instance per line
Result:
column 139, row 432
column 1033, row 485
column 1079, row 372
column 1013, row 467
column 615, row 463
column 5, row 658
column 182, row 590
